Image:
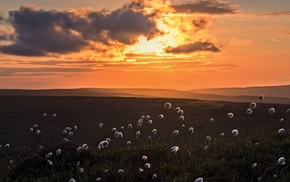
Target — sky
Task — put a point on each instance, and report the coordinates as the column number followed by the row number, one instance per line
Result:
column 170, row 44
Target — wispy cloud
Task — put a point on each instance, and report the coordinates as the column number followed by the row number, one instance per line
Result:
column 280, row 13
column 206, row 7
column 193, row 47
column 17, row 71
column 275, row 40
column 286, row 32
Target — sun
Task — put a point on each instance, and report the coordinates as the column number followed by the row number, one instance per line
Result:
column 171, row 37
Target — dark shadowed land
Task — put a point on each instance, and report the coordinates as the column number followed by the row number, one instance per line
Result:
column 19, row 113
column 203, row 153
column 273, row 94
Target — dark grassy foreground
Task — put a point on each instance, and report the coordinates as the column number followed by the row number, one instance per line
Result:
column 222, row 161
column 218, row 158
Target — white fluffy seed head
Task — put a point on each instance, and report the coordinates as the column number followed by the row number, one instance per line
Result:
column 180, row 112
column 149, row 121
column 281, row 161
column 235, row 132
column 230, row 115
column 85, row 146
column 281, row 131
column 48, row 155
column 147, row 165
column 177, row 109
column 72, row 180
column 208, row 138
column 181, row 118
column 98, row 179
column 199, row 180
column 49, row 162
column 167, row 105
column 161, row 116
column 154, row 132
column 191, row 130
column 78, row 164
column 211, row 120
column 141, row 170
column 101, row 125
column 175, row 132
column 58, row 152
column 271, row 110
column 147, row 117
column 121, row 171
column 174, row 149
column 249, row 111
column 144, row 157
column 129, row 143
column 139, row 125
column 81, row 170
column 253, row 105
column 129, row 126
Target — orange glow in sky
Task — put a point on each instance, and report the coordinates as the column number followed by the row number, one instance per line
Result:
column 144, row 44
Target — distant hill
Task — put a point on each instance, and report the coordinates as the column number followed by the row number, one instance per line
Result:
column 220, row 94
column 268, row 91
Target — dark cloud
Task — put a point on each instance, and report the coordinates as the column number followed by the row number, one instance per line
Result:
column 206, row 6
column 193, row 47
column 40, row 32
column 200, row 23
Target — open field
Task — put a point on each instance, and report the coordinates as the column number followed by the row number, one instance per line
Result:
column 19, row 113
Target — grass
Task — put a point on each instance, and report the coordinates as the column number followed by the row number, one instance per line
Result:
column 250, row 156
column 222, row 161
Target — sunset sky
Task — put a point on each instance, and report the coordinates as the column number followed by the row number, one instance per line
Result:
column 177, row 44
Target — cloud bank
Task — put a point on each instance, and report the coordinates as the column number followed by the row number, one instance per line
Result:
column 40, row 32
